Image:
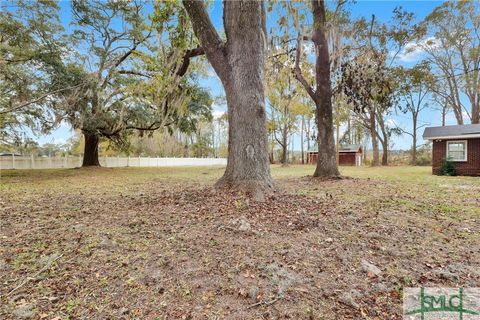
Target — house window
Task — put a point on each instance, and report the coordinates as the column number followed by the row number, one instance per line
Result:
column 457, row 150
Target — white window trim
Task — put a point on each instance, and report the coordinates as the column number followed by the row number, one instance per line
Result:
column 466, row 149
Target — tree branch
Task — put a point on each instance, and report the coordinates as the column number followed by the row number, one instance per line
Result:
column 406, row 132
column 26, row 104
column 135, row 73
column 206, row 33
column 298, row 72
column 186, row 59
column 124, row 57
column 153, row 127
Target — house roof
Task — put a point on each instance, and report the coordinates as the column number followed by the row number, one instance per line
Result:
column 452, row 132
column 343, row 148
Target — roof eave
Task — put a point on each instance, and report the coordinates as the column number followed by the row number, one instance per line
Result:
column 465, row 136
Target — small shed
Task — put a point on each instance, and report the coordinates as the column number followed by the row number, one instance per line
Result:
column 460, row 144
column 349, row 155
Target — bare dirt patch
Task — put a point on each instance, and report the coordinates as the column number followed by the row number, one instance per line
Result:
column 151, row 245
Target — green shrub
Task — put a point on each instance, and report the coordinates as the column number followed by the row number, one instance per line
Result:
column 424, row 155
column 424, row 159
column 447, row 167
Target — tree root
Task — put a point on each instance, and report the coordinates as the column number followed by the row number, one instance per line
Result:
column 256, row 190
column 328, row 178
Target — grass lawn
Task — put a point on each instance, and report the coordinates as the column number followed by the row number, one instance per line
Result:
column 160, row 243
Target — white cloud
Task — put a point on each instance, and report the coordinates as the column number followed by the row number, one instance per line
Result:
column 218, row 113
column 59, row 140
column 391, row 123
column 414, row 50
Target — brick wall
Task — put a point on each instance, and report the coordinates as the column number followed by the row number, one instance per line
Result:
column 471, row 167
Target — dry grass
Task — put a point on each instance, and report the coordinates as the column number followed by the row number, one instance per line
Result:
column 150, row 243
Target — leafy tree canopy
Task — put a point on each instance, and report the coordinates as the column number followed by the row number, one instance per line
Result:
column 31, row 47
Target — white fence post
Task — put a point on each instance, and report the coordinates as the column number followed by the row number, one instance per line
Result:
column 13, row 161
column 32, row 162
column 128, row 161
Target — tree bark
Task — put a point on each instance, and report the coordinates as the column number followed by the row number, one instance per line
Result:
column 326, row 161
column 90, row 154
column 373, row 134
column 414, row 150
column 475, row 107
column 349, row 130
column 308, row 139
column 284, row 159
column 240, row 65
column 337, row 141
column 284, row 145
column 272, row 146
column 322, row 95
column 301, row 138
column 414, row 138
column 385, row 153
column 382, row 135
column 444, row 114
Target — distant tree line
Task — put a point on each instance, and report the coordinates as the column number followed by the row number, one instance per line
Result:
column 125, row 75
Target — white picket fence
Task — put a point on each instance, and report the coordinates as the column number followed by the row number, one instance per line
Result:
column 16, row 162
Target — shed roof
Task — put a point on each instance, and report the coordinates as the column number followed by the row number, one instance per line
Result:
column 453, row 132
column 343, row 148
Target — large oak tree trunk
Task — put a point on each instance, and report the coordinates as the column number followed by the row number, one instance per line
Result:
column 248, row 165
column 240, row 65
column 90, row 154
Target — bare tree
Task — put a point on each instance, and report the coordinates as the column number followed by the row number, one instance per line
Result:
column 414, row 86
column 451, row 40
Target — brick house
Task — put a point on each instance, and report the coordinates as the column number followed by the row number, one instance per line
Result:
column 460, row 144
column 349, row 155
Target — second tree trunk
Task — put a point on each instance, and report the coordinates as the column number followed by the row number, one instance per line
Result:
column 90, row 154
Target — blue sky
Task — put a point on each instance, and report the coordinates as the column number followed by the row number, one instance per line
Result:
column 383, row 13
